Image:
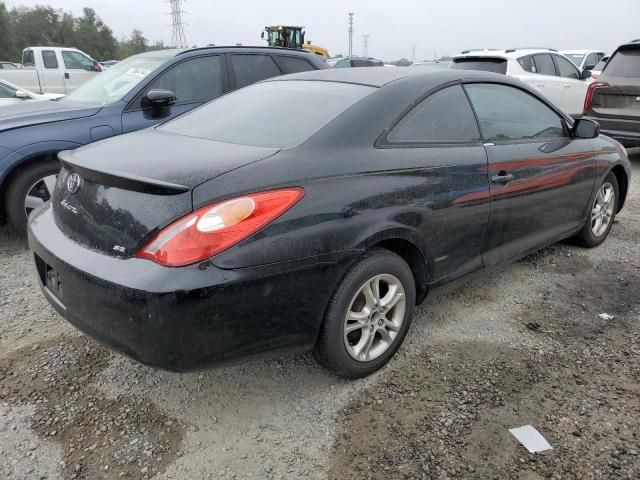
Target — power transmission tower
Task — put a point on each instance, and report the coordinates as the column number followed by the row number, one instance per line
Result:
column 350, row 34
column 413, row 53
column 365, row 45
column 178, row 38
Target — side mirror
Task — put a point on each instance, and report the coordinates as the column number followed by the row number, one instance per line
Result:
column 585, row 128
column 262, row 35
column 21, row 94
column 586, row 74
column 589, row 67
column 96, row 67
column 158, row 100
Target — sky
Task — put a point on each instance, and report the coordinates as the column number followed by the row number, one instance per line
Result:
column 443, row 27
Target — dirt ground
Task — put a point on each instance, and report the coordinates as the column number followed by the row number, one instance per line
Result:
column 522, row 345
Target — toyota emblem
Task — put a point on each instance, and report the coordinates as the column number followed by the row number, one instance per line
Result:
column 73, row 183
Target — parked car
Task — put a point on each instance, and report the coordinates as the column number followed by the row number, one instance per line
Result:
column 136, row 93
column 108, row 64
column 11, row 94
column 7, row 65
column 52, row 70
column 355, row 62
column 544, row 69
column 614, row 98
column 584, row 59
column 597, row 70
column 227, row 232
column 434, row 65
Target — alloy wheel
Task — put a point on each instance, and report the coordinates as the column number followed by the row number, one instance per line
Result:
column 374, row 317
column 602, row 211
column 39, row 193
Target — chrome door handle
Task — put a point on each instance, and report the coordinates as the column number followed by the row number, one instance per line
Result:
column 539, row 84
column 566, row 85
column 503, row 178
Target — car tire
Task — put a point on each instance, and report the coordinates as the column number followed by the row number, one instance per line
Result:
column 344, row 353
column 601, row 210
column 21, row 185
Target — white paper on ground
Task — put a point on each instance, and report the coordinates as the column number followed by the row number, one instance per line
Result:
column 531, row 439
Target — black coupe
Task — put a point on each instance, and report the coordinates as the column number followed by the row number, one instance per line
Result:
column 314, row 211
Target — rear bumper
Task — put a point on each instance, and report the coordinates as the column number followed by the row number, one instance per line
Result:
column 627, row 132
column 184, row 318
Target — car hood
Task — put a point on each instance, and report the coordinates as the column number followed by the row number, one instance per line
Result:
column 35, row 113
column 155, row 158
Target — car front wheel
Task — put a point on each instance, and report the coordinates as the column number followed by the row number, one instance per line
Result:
column 368, row 316
column 30, row 188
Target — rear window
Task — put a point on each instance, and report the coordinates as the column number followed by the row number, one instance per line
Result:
column 280, row 114
column 625, row 63
column 495, row 65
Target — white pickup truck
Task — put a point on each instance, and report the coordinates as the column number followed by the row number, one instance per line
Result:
column 52, row 70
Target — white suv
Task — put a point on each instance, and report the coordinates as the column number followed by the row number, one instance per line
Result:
column 548, row 71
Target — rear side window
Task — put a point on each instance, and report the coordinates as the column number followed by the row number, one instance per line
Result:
column 506, row 113
column 624, row 63
column 361, row 63
column 49, row 59
column 544, row 65
column 280, row 114
column 444, row 117
column 566, row 68
column 293, row 64
column 196, row 80
column 250, row 69
column 28, row 58
column 527, row 64
column 495, row 65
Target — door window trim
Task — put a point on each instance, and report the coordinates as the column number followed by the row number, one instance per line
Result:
column 567, row 122
column 135, row 104
column 383, row 142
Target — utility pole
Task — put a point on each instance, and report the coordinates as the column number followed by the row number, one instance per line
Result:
column 413, row 53
column 350, row 34
column 365, row 45
column 178, row 38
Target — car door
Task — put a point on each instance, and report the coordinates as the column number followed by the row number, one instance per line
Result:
column 78, row 68
column 249, row 68
column 574, row 88
column 547, row 80
column 437, row 148
column 541, row 178
column 52, row 77
column 193, row 81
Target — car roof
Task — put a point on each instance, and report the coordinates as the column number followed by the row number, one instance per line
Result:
column 580, row 52
column 509, row 53
column 380, row 76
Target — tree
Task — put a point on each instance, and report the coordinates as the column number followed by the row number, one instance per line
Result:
column 94, row 36
column 403, row 62
column 7, row 51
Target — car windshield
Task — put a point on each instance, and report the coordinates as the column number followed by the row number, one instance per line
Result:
column 279, row 114
column 495, row 65
column 575, row 58
column 113, row 84
column 625, row 63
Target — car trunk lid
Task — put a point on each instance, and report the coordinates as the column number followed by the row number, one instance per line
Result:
column 113, row 195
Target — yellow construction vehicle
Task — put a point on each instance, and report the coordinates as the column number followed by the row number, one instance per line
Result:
column 291, row 37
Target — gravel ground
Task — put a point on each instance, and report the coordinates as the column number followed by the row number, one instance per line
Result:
column 516, row 346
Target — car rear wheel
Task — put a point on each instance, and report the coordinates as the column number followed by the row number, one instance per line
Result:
column 601, row 215
column 368, row 316
column 30, row 188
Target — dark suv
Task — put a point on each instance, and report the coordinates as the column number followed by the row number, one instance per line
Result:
column 137, row 93
column 614, row 99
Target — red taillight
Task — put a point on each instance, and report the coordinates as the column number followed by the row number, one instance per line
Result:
column 588, row 100
column 212, row 229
